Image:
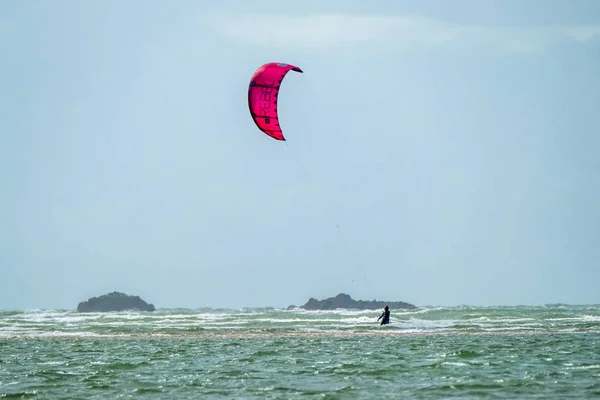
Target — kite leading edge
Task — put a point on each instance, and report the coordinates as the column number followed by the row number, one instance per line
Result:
column 262, row 96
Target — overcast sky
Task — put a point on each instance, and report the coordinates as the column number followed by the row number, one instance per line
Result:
column 455, row 144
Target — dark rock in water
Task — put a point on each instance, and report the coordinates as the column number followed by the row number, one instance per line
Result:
column 345, row 301
column 114, row 301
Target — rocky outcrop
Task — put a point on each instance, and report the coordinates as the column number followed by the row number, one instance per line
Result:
column 114, row 301
column 345, row 301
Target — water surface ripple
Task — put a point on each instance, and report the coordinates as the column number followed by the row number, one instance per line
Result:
column 467, row 352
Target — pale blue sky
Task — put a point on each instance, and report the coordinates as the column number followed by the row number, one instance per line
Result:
column 455, row 144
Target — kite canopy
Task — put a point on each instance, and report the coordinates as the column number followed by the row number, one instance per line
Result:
column 262, row 96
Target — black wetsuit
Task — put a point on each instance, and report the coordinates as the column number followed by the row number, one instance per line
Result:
column 386, row 317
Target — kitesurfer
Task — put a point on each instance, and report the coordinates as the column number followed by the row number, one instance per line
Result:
column 385, row 315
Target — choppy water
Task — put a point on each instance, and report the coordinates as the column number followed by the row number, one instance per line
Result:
column 467, row 352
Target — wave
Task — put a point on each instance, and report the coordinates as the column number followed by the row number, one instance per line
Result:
column 255, row 321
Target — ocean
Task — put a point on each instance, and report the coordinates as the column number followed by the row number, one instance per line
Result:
column 546, row 352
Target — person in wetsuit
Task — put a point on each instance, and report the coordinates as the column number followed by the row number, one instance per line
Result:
column 385, row 315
